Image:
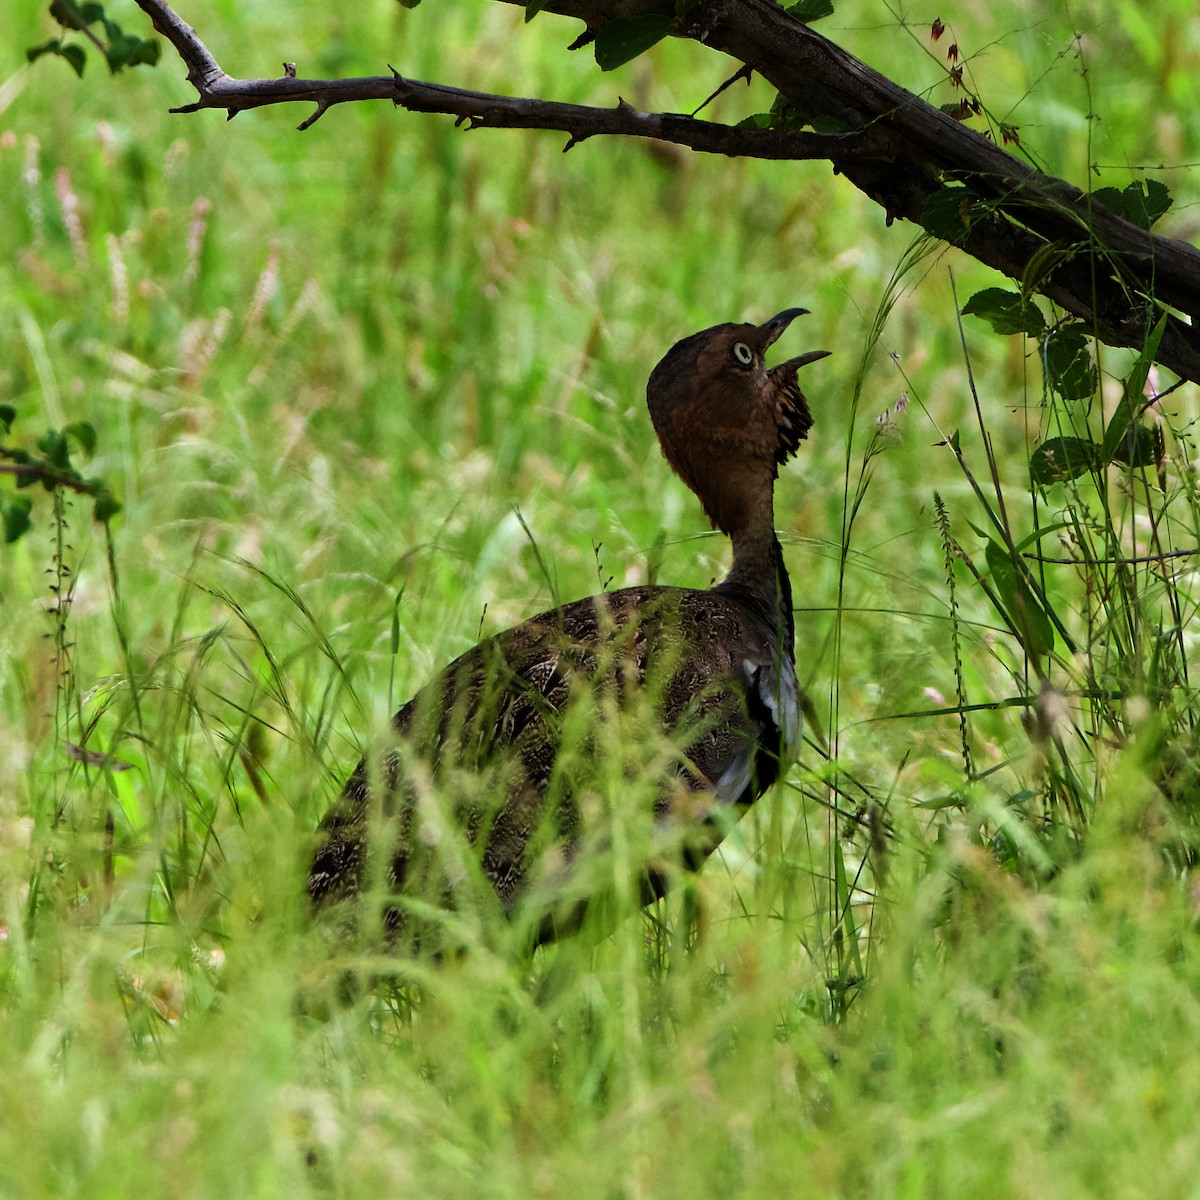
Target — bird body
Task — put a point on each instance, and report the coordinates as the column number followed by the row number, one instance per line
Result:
column 516, row 727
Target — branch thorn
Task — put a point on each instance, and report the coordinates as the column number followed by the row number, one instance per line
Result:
column 400, row 83
column 321, row 107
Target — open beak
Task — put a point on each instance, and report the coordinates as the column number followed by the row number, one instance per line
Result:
column 802, row 360
column 776, row 325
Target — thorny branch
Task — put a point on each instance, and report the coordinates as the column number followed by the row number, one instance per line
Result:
column 479, row 110
column 898, row 149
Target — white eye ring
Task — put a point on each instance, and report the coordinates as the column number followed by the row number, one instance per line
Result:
column 742, row 353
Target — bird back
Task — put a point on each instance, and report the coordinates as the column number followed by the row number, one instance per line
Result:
column 499, row 760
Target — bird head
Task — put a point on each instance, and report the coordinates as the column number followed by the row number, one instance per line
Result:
column 726, row 422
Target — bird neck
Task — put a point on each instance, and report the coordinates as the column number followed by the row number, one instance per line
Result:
column 758, row 575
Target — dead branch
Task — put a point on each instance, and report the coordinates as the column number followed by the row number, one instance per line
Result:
column 898, row 149
column 480, row 110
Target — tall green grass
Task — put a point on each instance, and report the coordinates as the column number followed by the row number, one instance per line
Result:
column 371, row 391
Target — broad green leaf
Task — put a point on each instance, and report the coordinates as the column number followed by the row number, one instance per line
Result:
column 129, row 51
column 948, row 213
column 15, row 510
column 148, row 53
column 1067, row 360
column 84, row 432
column 1021, row 606
column 76, row 56
column 1006, row 312
column 23, row 458
column 785, row 114
column 811, row 10
column 627, row 37
column 1142, row 446
column 53, row 445
column 1141, row 203
column 1063, row 458
column 106, row 504
column 823, row 124
column 73, row 54
column 73, row 15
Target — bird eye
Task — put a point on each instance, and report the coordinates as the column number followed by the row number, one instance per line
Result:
column 743, row 353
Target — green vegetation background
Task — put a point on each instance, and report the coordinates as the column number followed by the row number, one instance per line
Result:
column 327, row 370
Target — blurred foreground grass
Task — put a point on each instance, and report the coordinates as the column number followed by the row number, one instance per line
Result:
column 326, row 370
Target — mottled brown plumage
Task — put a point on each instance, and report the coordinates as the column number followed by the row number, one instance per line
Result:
column 713, row 668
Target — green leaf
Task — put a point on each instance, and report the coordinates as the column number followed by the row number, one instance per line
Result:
column 24, row 458
column 1064, row 458
column 73, row 15
column 1135, row 381
column 73, row 54
column 785, row 114
column 1006, row 312
column 15, row 510
column 84, row 432
column 8, row 415
column 53, row 445
column 76, row 56
column 1040, row 533
column 106, row 504
column 823, row 124
column 148, row 53
column 756, row 121
column 1130, row 404
column 1142, row 446
column 627, row 37
column 811, row 10
column 1067, row 361
column 1141, row 203
column 948, row 214
column 1024, row 612
column 35, row 52
column 129, row 51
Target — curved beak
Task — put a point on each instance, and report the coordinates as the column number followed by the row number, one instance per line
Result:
column 802, row 360
column 776, row 325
